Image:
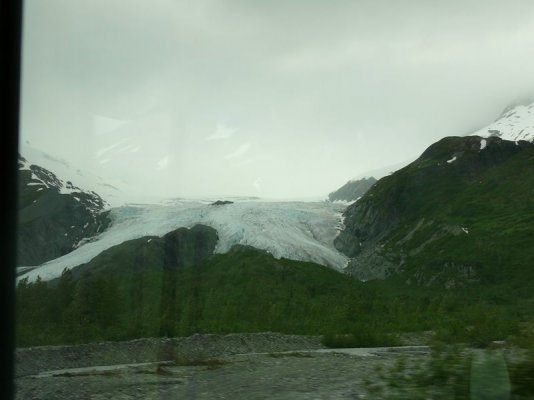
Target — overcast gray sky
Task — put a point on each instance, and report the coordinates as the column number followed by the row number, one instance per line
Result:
column 265, row 98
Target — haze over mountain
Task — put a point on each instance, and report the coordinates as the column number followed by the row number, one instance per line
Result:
column 352, row 190
column 223, row 98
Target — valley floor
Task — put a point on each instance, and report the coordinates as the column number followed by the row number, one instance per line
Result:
column 306, row 374
column 263, row 366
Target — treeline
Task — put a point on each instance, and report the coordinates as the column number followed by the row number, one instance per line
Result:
column 250, row 291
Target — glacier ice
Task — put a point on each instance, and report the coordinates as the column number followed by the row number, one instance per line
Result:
column 295, row 230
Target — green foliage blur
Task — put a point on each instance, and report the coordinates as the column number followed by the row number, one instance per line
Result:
column 457, row 373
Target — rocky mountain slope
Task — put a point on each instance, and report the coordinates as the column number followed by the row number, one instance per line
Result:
column 54, row 216
column 352, row 190
column 462, row 212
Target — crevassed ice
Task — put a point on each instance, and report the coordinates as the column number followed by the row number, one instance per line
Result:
column 295, row 230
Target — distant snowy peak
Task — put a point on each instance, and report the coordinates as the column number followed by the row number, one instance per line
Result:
column 515, row 123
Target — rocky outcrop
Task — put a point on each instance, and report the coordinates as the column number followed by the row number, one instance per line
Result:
column 221, row 202
column 54, row 217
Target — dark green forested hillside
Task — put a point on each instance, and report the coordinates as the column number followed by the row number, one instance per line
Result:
column 459, row 214
column 247, row 290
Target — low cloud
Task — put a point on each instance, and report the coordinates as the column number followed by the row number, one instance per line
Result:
column 257, row 184
column 221, row 132
column 313, row 95
column 163, row 163
column 103, row 125
column 239, row 152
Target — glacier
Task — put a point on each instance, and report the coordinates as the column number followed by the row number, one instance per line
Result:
column 297, row 230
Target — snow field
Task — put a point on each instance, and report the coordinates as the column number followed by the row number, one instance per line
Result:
column 515, row 124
